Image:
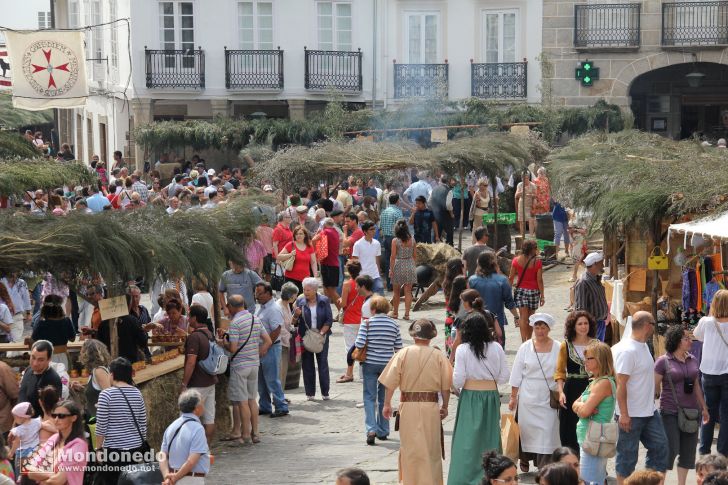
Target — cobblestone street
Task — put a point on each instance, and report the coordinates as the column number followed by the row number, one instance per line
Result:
column 318, row 438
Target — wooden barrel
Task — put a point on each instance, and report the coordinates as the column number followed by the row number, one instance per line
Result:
column 545, row 227
column 504, row 236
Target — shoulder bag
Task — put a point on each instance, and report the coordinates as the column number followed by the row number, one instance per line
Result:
column 313, row 341
column 688, row 420
column 146, row 473
column 232, row 357
column 601, row 438
column 360, row 355
column 287, row 265
column 520, row 277
column 145, row 444
column 720, row 334
column 553, row 395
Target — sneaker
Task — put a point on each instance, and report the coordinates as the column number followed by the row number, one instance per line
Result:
column 326, row 398
column 279, row 414
column 310, row 398
column 370, row 439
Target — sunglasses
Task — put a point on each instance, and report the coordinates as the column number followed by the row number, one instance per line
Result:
column 60, row 415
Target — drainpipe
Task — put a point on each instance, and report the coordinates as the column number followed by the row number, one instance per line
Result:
column 374, row 53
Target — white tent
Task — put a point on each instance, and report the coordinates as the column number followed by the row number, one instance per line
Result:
column 714, row 227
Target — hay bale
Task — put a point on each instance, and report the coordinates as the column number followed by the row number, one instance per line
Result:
column 160, row 397
column 223, row 412
column 436, row 255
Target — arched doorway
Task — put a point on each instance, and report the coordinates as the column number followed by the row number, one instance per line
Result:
column 677, row 102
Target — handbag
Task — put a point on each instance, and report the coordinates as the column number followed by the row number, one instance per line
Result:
column 657, row 260
column 313, row 341
column 148, row 473
column 360, row 354
column 287, row 265
column 601, row 438
column 510, row 436
column 277, row 279
column 553, row 395
column 520, row 277
column 688, row 420
column 232, row 357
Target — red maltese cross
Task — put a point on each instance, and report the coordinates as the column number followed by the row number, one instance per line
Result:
column 50, row 68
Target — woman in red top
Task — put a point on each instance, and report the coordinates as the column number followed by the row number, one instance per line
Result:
column 526, row 277
column 351, row 302
column 282, row 234
column 304, row 264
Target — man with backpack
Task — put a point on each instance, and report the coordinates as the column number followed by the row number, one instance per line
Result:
column 196, row 375
column 269, row 380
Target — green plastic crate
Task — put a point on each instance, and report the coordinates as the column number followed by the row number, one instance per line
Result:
column 542, row 243
column 503, row 218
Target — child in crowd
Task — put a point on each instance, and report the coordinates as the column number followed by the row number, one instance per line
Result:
column 708, row 464
column 24, row 437
column 352, row 476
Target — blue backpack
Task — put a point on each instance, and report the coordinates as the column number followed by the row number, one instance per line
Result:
column 216, row 361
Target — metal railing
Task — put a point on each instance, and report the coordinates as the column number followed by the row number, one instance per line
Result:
column 695, row 23
column 254, row 69
column 499, row 80
column 607, row 25
column 421, row 80
column 337, row 70
column 180, row 68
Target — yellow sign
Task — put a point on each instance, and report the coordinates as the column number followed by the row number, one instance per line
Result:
column 113, row 307
column 438, row 135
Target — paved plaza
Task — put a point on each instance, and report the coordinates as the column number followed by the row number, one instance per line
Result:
column 321, row 437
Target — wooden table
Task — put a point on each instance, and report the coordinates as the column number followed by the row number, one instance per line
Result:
column 14, row 347
column 152, row 371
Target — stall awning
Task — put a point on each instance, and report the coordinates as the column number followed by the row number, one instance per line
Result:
column 712, row 227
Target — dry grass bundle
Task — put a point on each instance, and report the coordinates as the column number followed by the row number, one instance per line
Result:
column 632, row 177
column 17, row 176
column 436, row 255
column 160, row 397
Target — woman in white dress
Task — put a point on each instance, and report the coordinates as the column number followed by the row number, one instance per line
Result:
column 531, row 380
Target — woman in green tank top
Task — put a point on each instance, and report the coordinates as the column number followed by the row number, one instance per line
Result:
column 596, row 403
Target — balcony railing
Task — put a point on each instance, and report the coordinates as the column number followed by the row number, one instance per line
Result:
column 337, row 70
column 607, row 25
column 182, row 68
column 254, row 69
column 695, row 24
column 499, row 80
column 420, row 80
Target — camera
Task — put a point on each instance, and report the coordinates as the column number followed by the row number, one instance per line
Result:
column 688, row 386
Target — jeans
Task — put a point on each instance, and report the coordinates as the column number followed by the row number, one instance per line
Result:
column 374, row 400
column 601, row 330
column 378, row 286
column 561, row 229
column 715, row 388
column 269, row 381
column 593, row 468
column 309, row 370
column 650, row 432
column 342, row 268
column 386, row 253
column 456, row 212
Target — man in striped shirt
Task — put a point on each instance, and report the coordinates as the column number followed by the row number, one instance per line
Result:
column 246, row 341
column 589, row 294
column 388, row 217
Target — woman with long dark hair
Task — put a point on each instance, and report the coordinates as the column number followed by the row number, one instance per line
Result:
column 571, row 376
column 494, row 289
column 402, row 267
column 480, row 365
column 66, row 450
column 453, row 268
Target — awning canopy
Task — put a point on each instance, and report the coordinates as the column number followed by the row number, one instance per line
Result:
column 712, row 227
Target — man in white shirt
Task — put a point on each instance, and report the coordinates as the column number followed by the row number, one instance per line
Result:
column 638, row 416
column 368, row 252
column 417, row 188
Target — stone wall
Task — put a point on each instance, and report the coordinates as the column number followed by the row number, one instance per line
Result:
column 618, row 68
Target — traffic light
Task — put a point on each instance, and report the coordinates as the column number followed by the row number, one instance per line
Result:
column 587, row 73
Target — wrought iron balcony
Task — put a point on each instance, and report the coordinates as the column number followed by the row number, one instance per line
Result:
column 181, row 68
column 254, row 69
column 337, row 70
column 695, row 24
column 499, row 80
column 607, row 25
column 420, row 80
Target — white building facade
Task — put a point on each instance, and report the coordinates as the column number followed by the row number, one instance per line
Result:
column 197, row 59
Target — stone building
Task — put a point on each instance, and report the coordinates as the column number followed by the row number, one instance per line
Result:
column 664, row 60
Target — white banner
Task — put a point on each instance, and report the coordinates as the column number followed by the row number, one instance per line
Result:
column 48, row 69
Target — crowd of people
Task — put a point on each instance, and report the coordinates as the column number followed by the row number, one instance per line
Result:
column 327, row 256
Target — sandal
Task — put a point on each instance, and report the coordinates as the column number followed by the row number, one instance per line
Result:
column 524, row 466
column 344, row 379
column 406, row 317
column 231, row 438
column 255, row 438
column 241, row 442
column 393, row 315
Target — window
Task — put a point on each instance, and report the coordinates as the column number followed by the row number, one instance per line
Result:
column 74, row 16
column 334, row 26
column 500, row 36
column 95, row 39
column 421, row 30
column 177, row 31
column 113, row 7
column 44, row 20
column 255, row 21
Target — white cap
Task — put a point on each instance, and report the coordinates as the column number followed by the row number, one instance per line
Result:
column 541, row 317
column 211, row 172
column 593, row 258
column 267, row 188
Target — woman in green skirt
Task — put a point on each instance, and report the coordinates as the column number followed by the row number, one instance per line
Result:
column 480, row 365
